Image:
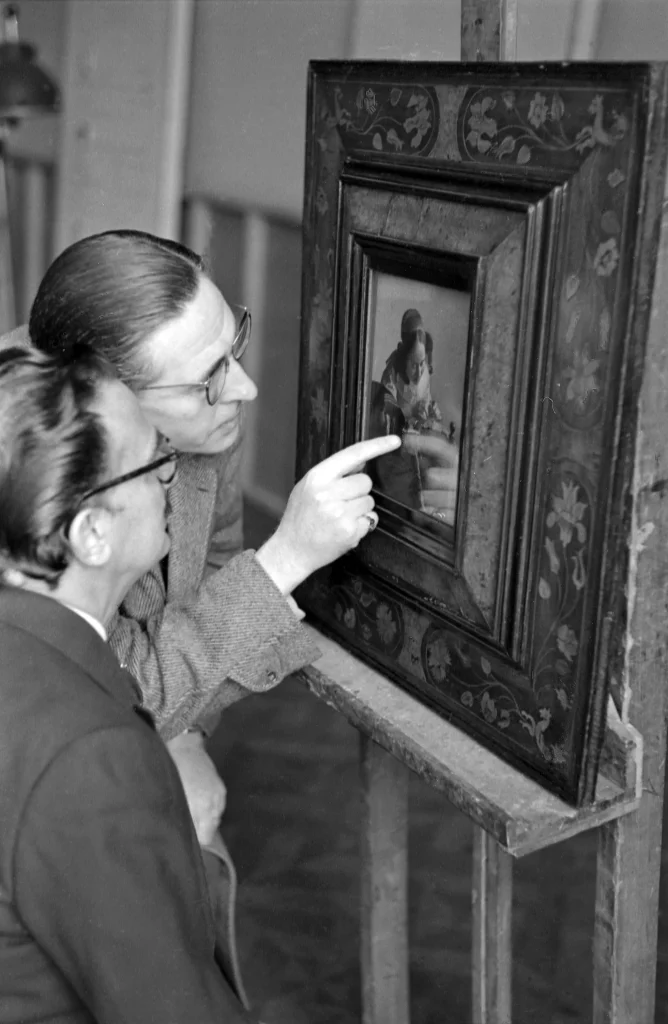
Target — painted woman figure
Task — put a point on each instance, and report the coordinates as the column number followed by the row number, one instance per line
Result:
column 422, row 473
column 405, row 382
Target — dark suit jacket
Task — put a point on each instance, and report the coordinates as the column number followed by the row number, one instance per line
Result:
column 104, row 913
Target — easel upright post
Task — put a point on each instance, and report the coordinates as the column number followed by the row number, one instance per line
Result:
column 384, row 887
column 629, row 850
column 489, row 32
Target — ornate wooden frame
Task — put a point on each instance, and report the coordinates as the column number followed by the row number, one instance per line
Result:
column 543, row 180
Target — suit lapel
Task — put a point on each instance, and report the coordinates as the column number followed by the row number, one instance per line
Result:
column 192, row 501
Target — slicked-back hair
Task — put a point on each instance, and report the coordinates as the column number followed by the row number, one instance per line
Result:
column 108, row 293
column 53, row 448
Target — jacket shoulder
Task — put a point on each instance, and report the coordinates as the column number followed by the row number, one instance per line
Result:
column 48, row 703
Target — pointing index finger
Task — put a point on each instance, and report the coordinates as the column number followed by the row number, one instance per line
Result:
column 353, row 458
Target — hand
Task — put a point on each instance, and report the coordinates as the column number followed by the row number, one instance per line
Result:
column 326, row 514
column 440, row 478
column 205, row 790
column 439, row 493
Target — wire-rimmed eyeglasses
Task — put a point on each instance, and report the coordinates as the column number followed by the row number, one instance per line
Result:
column 165, row 467
column 215, row 382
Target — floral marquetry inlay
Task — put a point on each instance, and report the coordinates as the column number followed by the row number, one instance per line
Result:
column 392, row 119
column 517, row 125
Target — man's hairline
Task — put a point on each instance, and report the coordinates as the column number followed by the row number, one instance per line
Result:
column 153, row 373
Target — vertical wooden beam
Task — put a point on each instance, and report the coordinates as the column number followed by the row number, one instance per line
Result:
column 254, row 271
column 176, row 95
column 629, row 850
column 384, row 907
column 197, row 225
column 36, row 214
column 489, row 30
column 492, row 895
column 125, row 86
column 585, row 22
column 7, row 311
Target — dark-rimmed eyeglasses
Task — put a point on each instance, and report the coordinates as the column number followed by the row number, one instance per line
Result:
column 165, row 468
column 215, row 382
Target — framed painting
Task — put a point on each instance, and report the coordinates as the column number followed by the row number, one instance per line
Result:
column 479, row 247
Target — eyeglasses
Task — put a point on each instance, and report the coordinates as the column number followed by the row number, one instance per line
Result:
column 215, row 382
column 165, row 467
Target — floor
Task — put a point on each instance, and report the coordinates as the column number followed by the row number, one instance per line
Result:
column 290, row 764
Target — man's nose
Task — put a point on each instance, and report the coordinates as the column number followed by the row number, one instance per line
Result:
column 238, row 386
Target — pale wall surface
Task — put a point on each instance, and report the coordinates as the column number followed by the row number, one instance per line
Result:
column 633, row 30
column 405, row 30
column 248, row 101
column 544, row 29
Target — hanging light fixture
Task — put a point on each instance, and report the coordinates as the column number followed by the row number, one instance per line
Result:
column 26, row 89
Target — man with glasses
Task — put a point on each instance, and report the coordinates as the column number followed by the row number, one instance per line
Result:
column 104, row 916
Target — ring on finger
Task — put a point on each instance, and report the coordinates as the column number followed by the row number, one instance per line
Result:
column 372, row 521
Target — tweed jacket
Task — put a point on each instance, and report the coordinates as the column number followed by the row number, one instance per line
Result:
column 104, row 915
column 206, row 638
column 198, row 644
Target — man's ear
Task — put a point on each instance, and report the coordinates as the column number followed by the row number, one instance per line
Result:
column 90, row 537
column 13, row 578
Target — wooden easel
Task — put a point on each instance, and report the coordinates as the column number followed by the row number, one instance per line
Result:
column 512, row 815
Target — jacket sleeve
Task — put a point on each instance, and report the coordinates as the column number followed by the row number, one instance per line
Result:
column 109, row 882
column 238, row 634
column 227, row 538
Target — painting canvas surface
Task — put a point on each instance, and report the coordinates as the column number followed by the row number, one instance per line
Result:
column 418, row 344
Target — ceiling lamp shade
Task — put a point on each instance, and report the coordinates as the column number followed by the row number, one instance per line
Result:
column 26, row 90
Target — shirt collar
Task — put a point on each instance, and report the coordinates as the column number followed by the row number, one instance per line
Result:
column 97, row 626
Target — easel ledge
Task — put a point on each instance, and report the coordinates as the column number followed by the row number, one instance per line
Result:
column 520, row 815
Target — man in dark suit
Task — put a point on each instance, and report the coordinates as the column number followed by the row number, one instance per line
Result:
column 104, row 915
